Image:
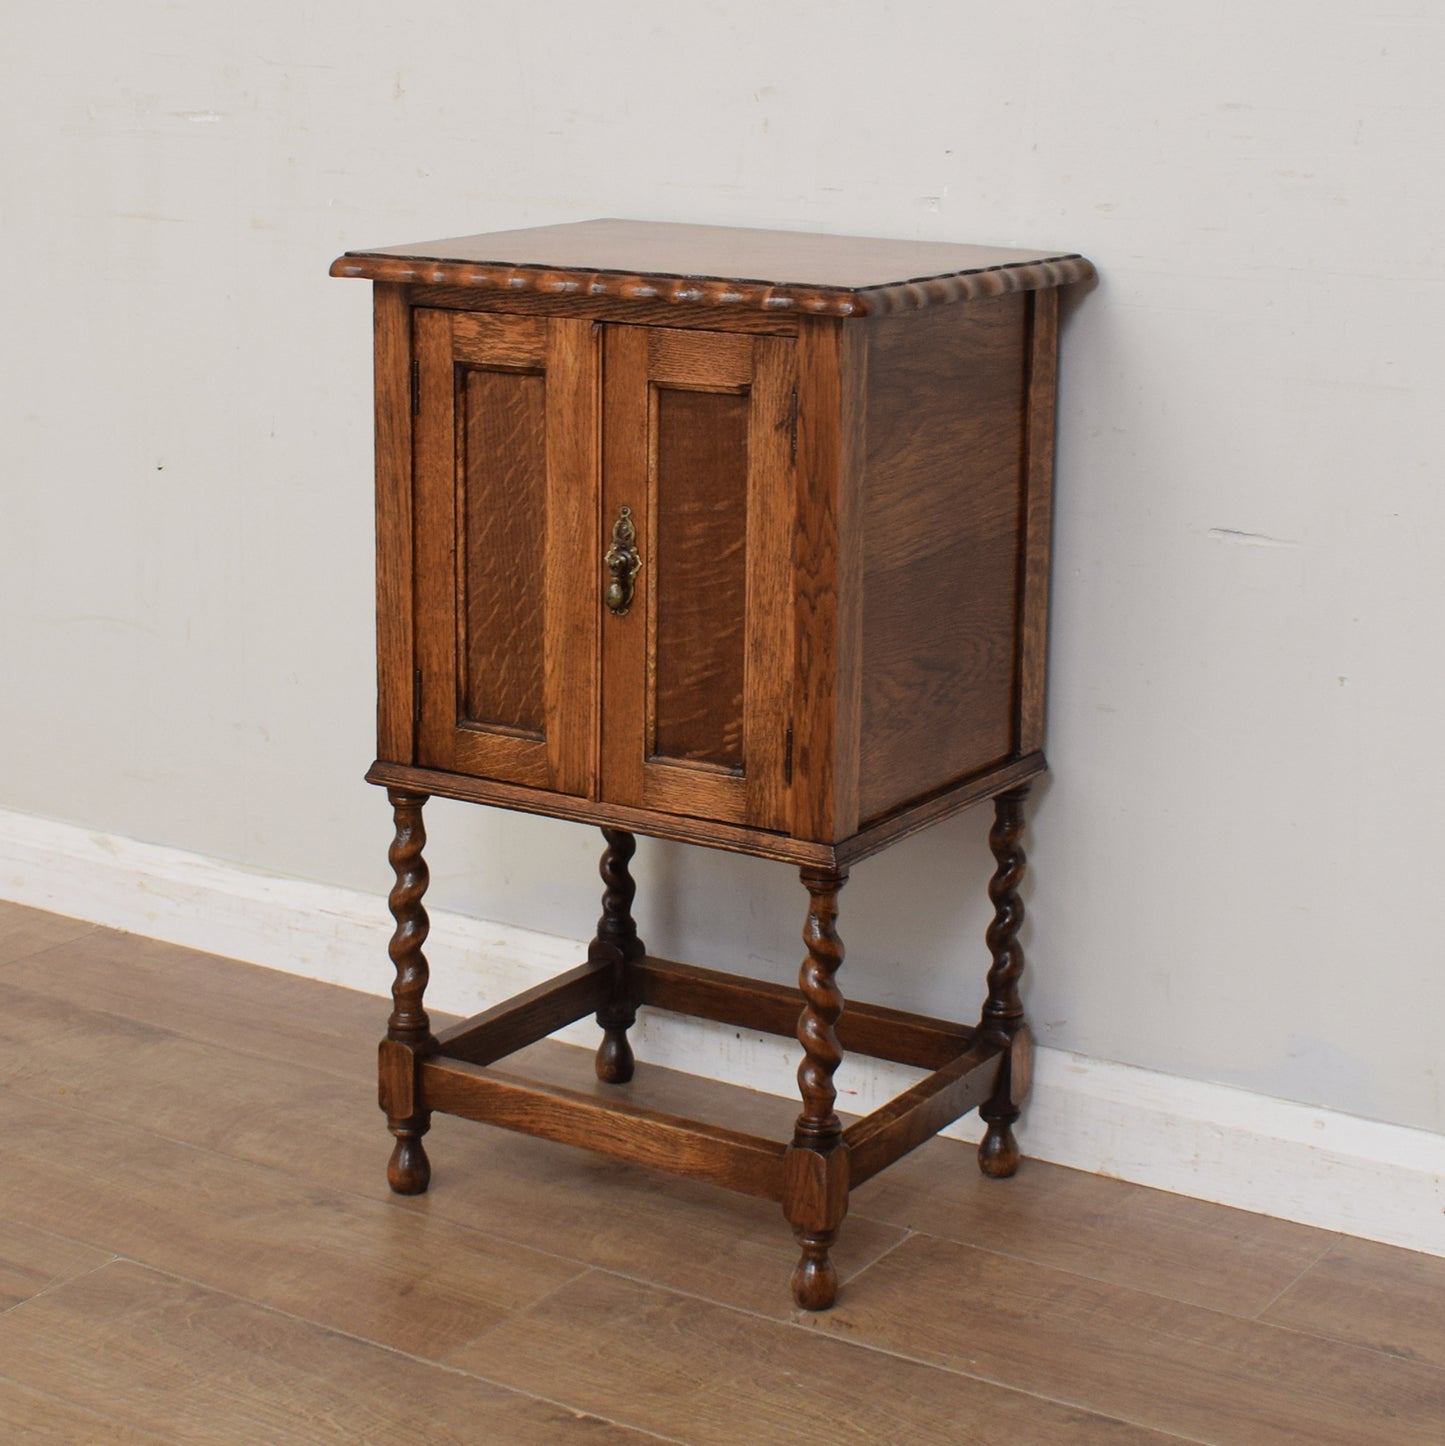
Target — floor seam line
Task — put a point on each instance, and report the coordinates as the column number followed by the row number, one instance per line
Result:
column 57, row 1284
column 429, row 1361
column 1279, row 1295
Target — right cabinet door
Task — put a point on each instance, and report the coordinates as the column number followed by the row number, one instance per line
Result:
column 698, row 441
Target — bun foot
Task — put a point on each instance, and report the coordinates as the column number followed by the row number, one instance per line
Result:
column 815, row 1282
column 998, row 1151
column 408, row 1172
column 614, row 1057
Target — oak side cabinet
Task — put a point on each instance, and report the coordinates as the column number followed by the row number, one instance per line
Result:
column 739, row 538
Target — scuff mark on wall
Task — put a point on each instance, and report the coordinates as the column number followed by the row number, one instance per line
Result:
column 1249, row 539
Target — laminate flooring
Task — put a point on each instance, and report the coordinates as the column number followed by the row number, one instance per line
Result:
column 197, row 1245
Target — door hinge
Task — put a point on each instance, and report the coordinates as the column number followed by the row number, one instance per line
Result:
column 416, row 697
column 788, row 755
column 794, row 450
column 415, row 388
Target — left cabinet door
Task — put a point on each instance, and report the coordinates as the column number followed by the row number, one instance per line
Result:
column 505, row 466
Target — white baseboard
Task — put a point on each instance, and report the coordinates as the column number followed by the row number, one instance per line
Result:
column 1320, row 1167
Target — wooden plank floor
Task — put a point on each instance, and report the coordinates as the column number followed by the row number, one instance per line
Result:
column 197, row 1245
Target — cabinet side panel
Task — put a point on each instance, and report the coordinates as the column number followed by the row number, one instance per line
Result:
column 391, row 326
column 1038, row 517
column 941, row 529
column 700, row 595
column 503, row 509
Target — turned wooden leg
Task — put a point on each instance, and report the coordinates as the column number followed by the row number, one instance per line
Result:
column 1003, row 1012
column 614, row 948
column 408, row 1033
column 815, row 1169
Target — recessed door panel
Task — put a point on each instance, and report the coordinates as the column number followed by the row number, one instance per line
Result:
column 700, row 598
column 505, row 467
column 501, row 579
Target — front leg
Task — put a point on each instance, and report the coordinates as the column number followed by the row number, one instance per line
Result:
column 1003, row 1013
column 815, row 1168
column 408, row 1034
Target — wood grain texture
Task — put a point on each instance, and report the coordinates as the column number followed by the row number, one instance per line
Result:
column 517, row 534
column 200, row 1366
column 525, row 1018
column 213, row 1098
column 696, row 445
column 715, row 362
column 663, row 1359
column 827, row 583
column 1098, row 1228
column 768, row 680
column 25, row 932
column 866, row 1029
column 34, row 1260
column 603, row 308
column 37, row 1416
column 1371, row 1295
column 1036, row 543
column 517, row 343
column 626, row 482
column 914, row 817
column 1166, row 1365
column 501, row 567
column 436, row 553
column 574, row 359
column 391, row 327
column 356, row 1265
column 941, row 528
column 612, row 1127
column 681, row 1233
column 718, row 266
column 206, row 998
column 699, row 597
column 921, row 1111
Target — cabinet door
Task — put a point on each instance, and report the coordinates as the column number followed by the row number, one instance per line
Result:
column 698, row 443
column 505, row 473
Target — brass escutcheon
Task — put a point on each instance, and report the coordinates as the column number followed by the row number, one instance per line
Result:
column 624, row 562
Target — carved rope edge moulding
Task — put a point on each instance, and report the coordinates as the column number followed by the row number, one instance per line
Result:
column 687, row 290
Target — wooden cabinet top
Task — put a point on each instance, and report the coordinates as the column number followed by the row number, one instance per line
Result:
column 771, row 271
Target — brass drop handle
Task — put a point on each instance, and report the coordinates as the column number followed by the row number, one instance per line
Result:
column 624, row 562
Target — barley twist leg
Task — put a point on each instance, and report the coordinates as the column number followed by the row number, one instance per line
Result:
column 408, row 1034
column 815, row 1176
column 1003, row 1012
